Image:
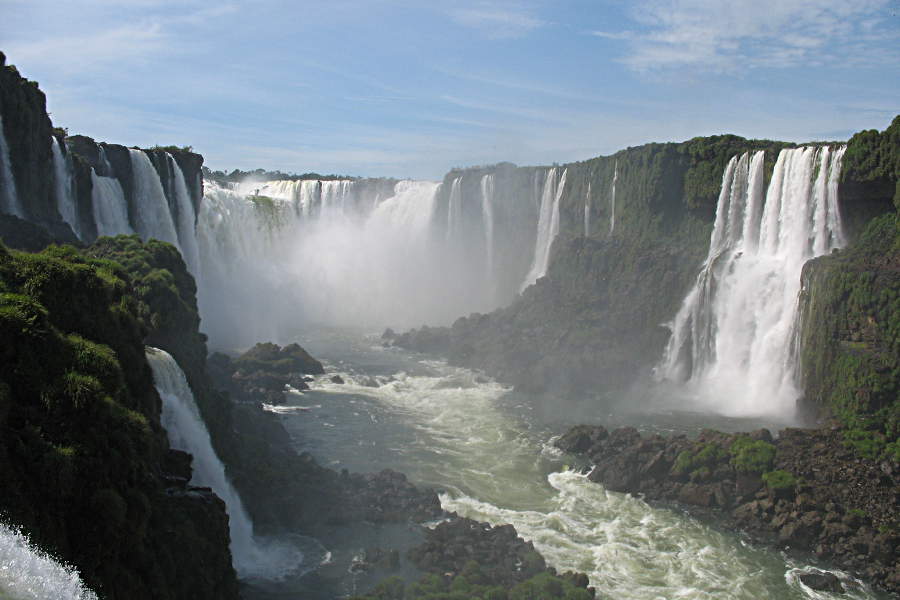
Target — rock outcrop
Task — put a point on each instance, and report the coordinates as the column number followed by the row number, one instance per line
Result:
column 805, row 490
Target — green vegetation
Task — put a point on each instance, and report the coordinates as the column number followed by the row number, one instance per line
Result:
column 874, row 156
column 699, row 460
column 173, row 149
column 82, row 450
column 779, row 480
column 751, row 456
column 471, row 584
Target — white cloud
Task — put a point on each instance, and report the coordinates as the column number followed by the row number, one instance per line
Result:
column 498, row 21
column 728, row 36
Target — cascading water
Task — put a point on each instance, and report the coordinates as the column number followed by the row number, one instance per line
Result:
column 731, row 340
column 612, row 199
column 9, row 199
column 187, row 237
column 110, row 210
column 548, row 225
column 487, row 216
column 454, row 208
column 62, row 183
column 186, row 431
column 154, row 218
column 587, row 211
column 27, row 573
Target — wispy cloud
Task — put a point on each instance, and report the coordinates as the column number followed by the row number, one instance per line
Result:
column 727, row 36
column 498, row 21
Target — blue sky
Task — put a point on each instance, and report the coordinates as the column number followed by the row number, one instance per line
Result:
column 413, row 88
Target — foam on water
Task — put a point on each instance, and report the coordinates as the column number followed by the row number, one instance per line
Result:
column 497, row 468
column 27, row 573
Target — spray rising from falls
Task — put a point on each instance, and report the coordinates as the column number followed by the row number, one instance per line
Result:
column 186, row 431
column 732, row 339
column 27, row 573
column 548, row 225
column 9, row 200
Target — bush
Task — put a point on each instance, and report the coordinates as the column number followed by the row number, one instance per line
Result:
column 752, row 456
column 780, row 480
column 705, row 456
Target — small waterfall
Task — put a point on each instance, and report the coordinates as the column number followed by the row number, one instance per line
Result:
column 587, row 211
column 612, row 199
column 454, row 208
column 62, row 182
column 548, row 225
column 110, row 210
column 27, row 573
column 487, row 216
column 187, row 236
column 9, row 199
column 154, row 218
column 731, row 339
column 186, row 431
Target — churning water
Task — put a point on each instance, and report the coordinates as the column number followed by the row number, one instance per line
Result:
column 460, row 432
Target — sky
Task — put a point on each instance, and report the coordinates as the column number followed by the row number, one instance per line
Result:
column 408, row 88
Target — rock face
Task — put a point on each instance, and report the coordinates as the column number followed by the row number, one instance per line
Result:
column 804, row 490
column 85, row 463
column 261, row 373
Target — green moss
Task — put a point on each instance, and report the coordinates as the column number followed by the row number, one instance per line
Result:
column 751, row 456
column 699, row 460
column 779, row 480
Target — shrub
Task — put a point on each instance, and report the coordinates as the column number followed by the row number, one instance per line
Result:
column 752, row 456
column 780, row 480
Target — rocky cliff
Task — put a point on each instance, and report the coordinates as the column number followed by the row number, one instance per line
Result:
column 85, row 463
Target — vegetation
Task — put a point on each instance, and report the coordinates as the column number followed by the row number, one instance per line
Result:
column 779, row 480
column 82, row 450
column 704, row 456
column 173, row 149
column 264, row 175
column 874, row 156
column 751, row 456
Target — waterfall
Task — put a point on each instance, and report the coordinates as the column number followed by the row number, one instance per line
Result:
column 612, row 199
column 548, row 226
column 487, row 216
column 731, row 339
column 186, row 431
column 27, row 573
column 587, row 211
column 187, row 237
column 9, row 199
column 454, row 208
column 62, row 182
column 154, row 218
column 110, row 210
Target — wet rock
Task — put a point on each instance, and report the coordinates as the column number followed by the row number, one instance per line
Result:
column 337, row 379
column 581, row 438
column 822, row 581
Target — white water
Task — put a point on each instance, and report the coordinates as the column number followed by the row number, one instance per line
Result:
column 498, row 466
column 9, row 199
column 587, row 211
column 454, row 208
column 110, row 210
column 186, row 218
column 154, row 219
column 732, row 338
column 27, row 573
column 548, row 226
column 487, row 216
column 62, row 183
column 612, row 199
column 186, row 431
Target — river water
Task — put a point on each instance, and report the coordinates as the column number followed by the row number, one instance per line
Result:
column 490, row 455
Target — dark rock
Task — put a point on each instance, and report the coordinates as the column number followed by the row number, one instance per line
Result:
column 337, row 379
column 822, row 582
column 581, row 438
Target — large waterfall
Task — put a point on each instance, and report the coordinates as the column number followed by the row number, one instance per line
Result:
column 27, row 573
column 732, row 339
column 9, row 200
column 154, row 216
column 186, row 431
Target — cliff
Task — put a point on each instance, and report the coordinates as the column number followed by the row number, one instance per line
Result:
column 850, row 307
column 85, row 463
column 595, row 321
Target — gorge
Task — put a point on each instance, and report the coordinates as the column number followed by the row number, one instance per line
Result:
column 717, row 282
